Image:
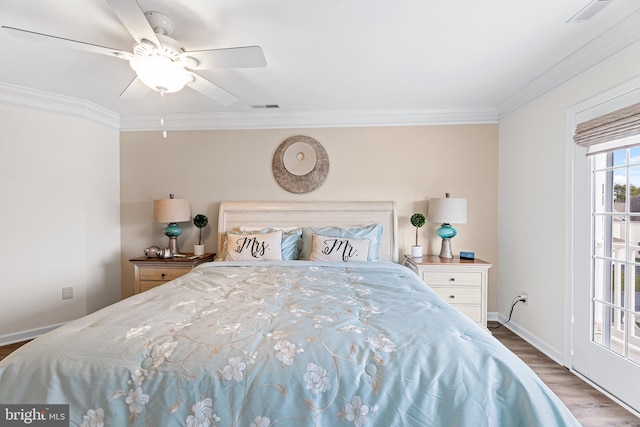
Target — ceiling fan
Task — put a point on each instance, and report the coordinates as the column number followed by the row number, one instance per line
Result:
column 160, row 62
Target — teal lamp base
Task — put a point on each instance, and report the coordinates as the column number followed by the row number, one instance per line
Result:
column 172, row 231
column 446, row 232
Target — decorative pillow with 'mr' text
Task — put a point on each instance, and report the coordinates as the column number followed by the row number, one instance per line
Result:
column 327, row 248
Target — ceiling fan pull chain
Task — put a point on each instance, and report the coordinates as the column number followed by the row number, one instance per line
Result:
column 164, row 132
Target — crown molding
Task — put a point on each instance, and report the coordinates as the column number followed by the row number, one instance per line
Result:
column 253, row 119
column 608, row 44
column 20, row 96
column 261, row 119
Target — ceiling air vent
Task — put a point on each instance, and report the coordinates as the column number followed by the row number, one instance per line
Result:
column 589, row 11
column 265, row 106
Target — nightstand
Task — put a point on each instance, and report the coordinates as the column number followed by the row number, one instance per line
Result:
column 460, row 282
column 151, row 272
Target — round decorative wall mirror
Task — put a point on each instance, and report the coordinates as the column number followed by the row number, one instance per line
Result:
column 300, row 164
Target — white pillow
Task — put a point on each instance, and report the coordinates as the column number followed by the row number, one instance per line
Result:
column 327, row 248
column 290, row 241
column 372, row 232
column 254, row 247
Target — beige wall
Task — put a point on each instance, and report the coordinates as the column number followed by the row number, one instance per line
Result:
column 534, row 166
column 60, row 219
column 405, row 164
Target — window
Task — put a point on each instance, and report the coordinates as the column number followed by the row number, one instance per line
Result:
column 615, row 284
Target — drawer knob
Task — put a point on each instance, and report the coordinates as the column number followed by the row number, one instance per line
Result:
column 452, row 297
column 162, row 275
column 452, row 279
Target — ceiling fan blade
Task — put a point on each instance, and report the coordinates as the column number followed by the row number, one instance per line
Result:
column 136, row 89
column 73, row 44
column 132, row 16
column 212, row 91
column 234, row 57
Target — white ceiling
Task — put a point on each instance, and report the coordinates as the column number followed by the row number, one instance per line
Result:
column 362, row 60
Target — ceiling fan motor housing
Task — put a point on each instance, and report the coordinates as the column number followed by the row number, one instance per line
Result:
column 160, row 23
column 169, row 47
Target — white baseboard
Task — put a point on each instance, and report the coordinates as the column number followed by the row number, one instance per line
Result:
column 549, row 351
column 28, row 334
column 605, row 392
column 555, row 356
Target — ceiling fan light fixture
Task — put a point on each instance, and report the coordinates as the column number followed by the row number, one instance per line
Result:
column 160, row 73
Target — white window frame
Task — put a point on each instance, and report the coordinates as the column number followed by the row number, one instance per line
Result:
column 613, row 338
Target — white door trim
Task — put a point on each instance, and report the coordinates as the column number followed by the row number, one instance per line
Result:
column 605, row 102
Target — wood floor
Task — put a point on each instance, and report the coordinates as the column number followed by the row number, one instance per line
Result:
column 7, row 349
column 590, row 407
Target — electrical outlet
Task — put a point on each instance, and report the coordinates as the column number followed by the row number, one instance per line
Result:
column 525, row 296
column 67, row 293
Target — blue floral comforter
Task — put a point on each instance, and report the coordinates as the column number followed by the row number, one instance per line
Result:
column 281, row 344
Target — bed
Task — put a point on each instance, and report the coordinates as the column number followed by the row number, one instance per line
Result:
column 357, row 341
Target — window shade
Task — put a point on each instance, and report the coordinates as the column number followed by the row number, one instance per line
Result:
column 623, row 125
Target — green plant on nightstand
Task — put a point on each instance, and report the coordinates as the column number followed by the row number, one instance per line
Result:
column 417, row 220
column 200, row 221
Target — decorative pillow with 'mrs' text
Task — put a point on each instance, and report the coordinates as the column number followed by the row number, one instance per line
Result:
column 254, row 247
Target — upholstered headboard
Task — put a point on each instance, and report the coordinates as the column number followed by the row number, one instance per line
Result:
column 234, row 215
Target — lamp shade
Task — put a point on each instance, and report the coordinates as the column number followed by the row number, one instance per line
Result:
column 171, row 210
column 447, row 211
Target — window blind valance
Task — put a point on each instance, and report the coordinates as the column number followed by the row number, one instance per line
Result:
column 622, row 125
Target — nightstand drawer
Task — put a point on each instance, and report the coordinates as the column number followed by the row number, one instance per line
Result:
column 146, row 285
column 461, row 283
column 161, row 274
column 473, row 311
column 152, row 272
column 459, row 294
column 451, row 277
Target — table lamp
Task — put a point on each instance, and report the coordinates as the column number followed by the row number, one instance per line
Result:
column 447, row 211
column 172, row 211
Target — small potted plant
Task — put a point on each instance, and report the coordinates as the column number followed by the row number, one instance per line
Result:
column 417, row 220
column 200, row 221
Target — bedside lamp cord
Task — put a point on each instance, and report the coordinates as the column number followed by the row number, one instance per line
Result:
column 513, row 304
